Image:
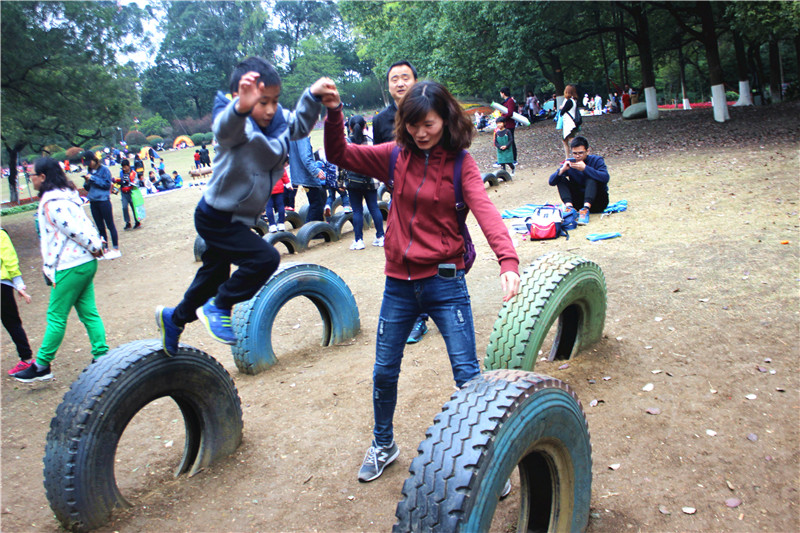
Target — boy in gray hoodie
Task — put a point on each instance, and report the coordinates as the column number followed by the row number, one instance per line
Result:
column 253, row 132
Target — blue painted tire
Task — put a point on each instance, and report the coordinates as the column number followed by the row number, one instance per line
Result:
column 253, row 319
column 499, row 421
column 287, row 239
column 85, row 431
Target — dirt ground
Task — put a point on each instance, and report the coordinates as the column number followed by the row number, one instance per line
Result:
column 702, row 304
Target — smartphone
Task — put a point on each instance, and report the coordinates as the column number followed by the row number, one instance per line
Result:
column 571, row 159
column 447, row 270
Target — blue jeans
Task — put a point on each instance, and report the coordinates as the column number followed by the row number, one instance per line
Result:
column 275, row 204
column 447, row 301
column 357, row 199
column 332, row 197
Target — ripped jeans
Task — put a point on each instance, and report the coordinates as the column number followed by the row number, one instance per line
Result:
column 447, row 302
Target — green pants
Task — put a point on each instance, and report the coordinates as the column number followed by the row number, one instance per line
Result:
column 74, row 287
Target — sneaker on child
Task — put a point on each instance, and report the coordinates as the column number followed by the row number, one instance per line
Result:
column 273, row 228
column 34, row 373
column 583, row 216
column 114, row 253
column 281, row 227
column 20, row 366
column 357, row 245
column 217, row 321
column 378, row 241
column 420, row 329
column 377, row 458
column 170, row 333
column 348, row 209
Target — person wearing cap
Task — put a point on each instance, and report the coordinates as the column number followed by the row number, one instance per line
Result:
column 98, row 187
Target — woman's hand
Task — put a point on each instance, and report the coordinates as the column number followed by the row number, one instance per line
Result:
column 510, row 283
column 325, row 90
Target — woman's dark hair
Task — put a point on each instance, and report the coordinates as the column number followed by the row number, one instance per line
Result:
column 429, row 96
column 266, row 72
column 54, row 177
column 356, row 125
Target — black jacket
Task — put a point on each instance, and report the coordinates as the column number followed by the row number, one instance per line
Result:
column 383, row 125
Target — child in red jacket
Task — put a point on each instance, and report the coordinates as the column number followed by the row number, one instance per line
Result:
column 275, row 203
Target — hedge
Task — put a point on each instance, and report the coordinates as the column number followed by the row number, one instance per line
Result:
column 154, row 140
column 135, row 137
column 74, row 153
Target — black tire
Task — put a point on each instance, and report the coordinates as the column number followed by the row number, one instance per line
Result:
column 253, row 320
column 337, row 203
column 489, row 178
column 382, row 190
column 499, row 421
column 384, row 207
column 289, row 240
column 84, row 434
column 199, row 248
column 294, row 218
column 260, row 227
column 503, row 175
column 316, row 229
column 339, row 220
column 557, row 285
column 303, row 212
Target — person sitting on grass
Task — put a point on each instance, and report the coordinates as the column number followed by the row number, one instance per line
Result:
column 253, row 132
column 165, row 182
column 177, row 179
column 582, row 180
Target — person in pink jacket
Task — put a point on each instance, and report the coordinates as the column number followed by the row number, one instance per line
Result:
column 423, row 244
column 275, row 204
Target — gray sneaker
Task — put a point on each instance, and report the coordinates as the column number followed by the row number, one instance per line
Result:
column 376, row 460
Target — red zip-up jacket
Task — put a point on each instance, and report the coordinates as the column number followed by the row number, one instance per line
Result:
column 422, row 230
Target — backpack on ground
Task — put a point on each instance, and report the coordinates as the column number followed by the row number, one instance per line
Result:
column 545, row 223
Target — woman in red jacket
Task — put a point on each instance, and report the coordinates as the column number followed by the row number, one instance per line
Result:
column 423, row 245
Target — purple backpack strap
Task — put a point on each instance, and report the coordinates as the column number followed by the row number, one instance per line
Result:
column 392, row 164
column 460, row 205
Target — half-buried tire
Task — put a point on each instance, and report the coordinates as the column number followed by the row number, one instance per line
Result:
column 84, row 434
column 294, row 218
column 316, row 229
column 497, row 422
column 287, row 239
column 489, row 178
column 384, row 207
column 253, row 319
column 383, row 190
column 339, row 220
column 503, row 175
column 557, row 285
column 261, row 227
column 199, row 248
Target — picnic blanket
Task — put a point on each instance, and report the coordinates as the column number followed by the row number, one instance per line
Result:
column 528, row 209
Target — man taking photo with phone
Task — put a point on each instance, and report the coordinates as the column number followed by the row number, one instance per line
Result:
column 582, row 180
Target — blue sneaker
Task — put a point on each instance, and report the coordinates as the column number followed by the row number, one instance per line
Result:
column 170, row 333
column 420, row 329
column 583, row 216
column 217, row 322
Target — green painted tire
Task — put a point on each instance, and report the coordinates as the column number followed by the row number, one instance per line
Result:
column 557, row 285
column 253, row 320
column 499, row 421
column 84, row 433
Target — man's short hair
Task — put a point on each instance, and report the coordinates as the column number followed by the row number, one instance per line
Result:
column 506, row 91
column 266, row 73
column 399, row 64
column 579, row 141
column 174, row 171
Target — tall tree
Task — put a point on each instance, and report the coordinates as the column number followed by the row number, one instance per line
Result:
column 60, row 77
column 300, row 20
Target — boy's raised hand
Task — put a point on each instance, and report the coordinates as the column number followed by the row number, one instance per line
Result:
column 249, row 92
column 325, row 90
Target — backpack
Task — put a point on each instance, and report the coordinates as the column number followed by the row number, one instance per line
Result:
column 545, row 223
column 578, row 117
column 569, row 220
column 461, row 208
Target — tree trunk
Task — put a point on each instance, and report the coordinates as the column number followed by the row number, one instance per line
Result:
column 645, row 59
column 621, row 59
column 603, row 56
column 682, row 65
column 755, row 57
column 745, row 98
column 797, row 55
column 715, row 74
column 13, row 158
column 774, row 71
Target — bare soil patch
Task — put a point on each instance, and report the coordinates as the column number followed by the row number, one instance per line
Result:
column 702, row 303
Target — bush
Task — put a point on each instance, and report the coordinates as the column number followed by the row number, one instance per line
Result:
column 154, row 140
column 30, row 158
column 74, row 153
column 19, row 208
column 731, row 95
column 208, row 138
column 135, row 137
column 60, row 156
column 197, row 138
column 168, row 142
column 96, row 147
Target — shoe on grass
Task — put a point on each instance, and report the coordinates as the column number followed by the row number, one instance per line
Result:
column 357, row 245
column 377, row 458
column 33, row 373
column 420, row 329
column 20, row 366
column 217, row 321
column 583, row 216
column 170, row 333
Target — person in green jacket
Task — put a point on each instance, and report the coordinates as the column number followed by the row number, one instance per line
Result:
column 11, row 280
